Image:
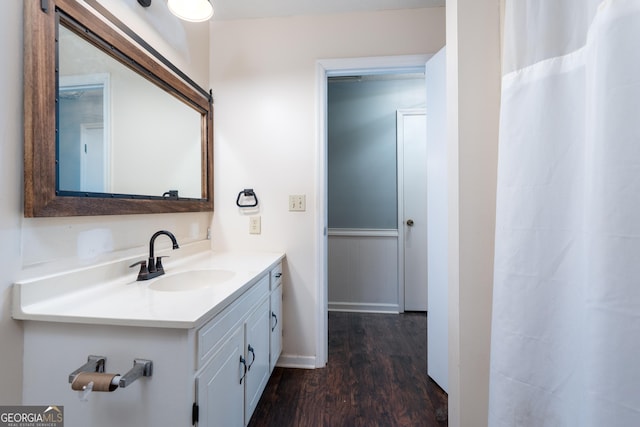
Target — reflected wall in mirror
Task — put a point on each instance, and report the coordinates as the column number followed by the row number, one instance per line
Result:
column 112, row 131
column 119, row 132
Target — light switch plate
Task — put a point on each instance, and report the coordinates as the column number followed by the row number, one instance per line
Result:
column 254, row 225
column 297, row 203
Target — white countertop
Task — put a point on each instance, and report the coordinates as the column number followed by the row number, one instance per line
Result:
column 109, row 294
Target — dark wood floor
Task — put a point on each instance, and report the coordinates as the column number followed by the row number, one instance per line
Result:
column 376, row 376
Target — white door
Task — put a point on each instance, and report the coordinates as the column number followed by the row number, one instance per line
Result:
column 257, row 330
column 221, row 385
column 412, row 147
column 438, row 222
column 93, row 161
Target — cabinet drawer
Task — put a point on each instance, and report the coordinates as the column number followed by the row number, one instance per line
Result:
column 276, row 276
column 213, row 332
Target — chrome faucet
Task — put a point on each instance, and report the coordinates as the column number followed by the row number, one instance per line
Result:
column 155, row 268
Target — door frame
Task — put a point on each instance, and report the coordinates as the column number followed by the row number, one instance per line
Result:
column 400, row 181
column 101, row 81
column 326, row 68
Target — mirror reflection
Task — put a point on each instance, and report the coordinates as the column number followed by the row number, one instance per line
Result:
column 120, row 133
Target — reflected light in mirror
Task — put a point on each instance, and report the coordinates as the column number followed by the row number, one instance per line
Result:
column 191, row 10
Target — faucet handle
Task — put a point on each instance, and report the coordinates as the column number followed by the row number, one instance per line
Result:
column 143, row 268
column 159, row 262
column 142, row 263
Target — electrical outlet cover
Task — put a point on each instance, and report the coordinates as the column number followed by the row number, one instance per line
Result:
column 254, row 225
column 297, row 203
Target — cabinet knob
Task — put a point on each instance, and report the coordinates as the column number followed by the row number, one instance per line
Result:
column 410, row 222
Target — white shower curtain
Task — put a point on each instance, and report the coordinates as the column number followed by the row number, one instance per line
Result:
column 565, row 345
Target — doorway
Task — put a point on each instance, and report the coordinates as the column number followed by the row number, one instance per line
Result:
column 84, row 141
column 326, row 69
column 366, row 229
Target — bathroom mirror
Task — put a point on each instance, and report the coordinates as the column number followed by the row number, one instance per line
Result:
column 108, row 128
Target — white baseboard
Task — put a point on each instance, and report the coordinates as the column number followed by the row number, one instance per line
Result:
column 364, row 307
column 296, row 361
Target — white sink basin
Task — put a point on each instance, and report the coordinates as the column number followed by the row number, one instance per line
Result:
column 191, row 280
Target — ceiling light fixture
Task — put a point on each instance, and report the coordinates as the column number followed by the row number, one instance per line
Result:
column 191, row 10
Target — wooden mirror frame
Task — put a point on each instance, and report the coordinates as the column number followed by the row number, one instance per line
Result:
column 40, row 198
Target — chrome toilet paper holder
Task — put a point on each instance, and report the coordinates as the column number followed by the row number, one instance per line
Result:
column 94, row 364
column 141, row 368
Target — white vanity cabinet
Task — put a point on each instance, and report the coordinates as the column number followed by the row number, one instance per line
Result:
column 238, row 351
column 204, row 374
column 235, row 370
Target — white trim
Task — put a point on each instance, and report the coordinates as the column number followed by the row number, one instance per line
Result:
column 324, row 69
column 400, row 201
column 296, row 361
column 400, row 181
column 322, row 326
column 374, row 65
column 362, row 232
column 361, row 307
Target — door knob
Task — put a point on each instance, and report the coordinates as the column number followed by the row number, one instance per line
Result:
column 410, row 222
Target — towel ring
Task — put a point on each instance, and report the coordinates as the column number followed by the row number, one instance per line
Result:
column 247, row 192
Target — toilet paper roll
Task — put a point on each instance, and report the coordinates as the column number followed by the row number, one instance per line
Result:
column 101, row 381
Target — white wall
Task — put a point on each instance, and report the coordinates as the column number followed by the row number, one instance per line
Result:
column 437, row 221
column 473, row 103
column 30, row 247
column 263, row 74
column 11, row 190
column 363, row 270
column 361, row 149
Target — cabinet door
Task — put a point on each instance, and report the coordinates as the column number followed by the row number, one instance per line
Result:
column 257, row 330
column 276, row 327
column 220, row 391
